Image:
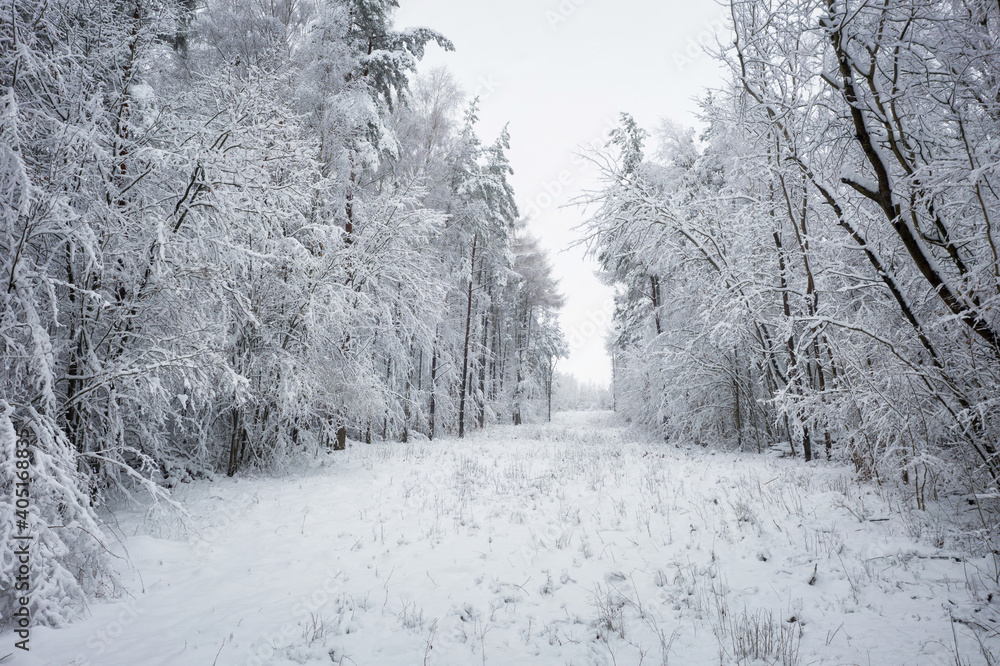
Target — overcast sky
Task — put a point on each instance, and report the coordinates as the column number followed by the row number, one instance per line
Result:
column 560, row 72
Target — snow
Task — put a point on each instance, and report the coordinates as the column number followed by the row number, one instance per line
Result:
column 569, row 543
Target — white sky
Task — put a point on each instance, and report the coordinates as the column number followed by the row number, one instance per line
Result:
column 560, row 72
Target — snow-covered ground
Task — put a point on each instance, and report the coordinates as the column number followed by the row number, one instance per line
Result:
column 570, row 543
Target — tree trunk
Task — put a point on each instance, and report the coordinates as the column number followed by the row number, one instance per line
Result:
column 465, row 352
column 737, row 407
column 483, row 359
column 884, row 197
column 433, row 405
column 236, row 439
column 654, row 283
column 793, row 370
column 548, row 387
column 614, row 381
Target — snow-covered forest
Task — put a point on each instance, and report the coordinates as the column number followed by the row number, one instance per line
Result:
column 231, row 232
column 819, row 266
column 267, row 304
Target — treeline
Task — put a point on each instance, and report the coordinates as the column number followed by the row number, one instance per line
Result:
column 232, row 232
column 819, row 267
column 572, row 394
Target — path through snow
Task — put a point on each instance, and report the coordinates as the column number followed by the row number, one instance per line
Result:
column 567, row 543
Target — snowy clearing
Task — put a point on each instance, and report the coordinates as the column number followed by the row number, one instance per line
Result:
column 570, row 543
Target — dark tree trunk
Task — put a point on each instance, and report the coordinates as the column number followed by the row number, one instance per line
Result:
column 548, row 387
column 483, row 360
column 614, row 381
column 793, row 370
column 465, row 353
column 737, row 407
column 654, row 283
column 433, row 405
column 883, row 196
column 236, row 440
